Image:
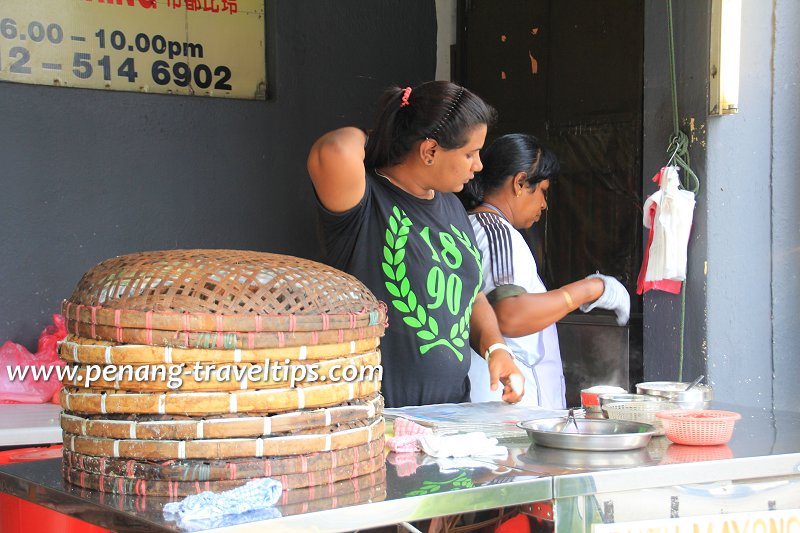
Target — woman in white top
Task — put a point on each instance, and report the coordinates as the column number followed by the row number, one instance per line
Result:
column 509, row 194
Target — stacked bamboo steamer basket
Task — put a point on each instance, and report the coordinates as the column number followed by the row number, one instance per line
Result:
column 176, row 389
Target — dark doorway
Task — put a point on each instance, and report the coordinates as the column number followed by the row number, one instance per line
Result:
column 570, row 72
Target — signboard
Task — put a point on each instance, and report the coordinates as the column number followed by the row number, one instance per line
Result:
column 784, row 521
column 189, row 47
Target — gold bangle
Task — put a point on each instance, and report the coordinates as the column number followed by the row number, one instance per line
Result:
column 568, row 299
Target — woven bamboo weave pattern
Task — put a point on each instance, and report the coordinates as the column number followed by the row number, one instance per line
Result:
column 102, row 401
column 83, row 350
column 228, row 469
column 224, row 448
column 221, row 427
column 221, row 340
column 326, row 494
column 226, row 282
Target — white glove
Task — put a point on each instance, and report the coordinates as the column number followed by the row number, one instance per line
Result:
column 615, row 297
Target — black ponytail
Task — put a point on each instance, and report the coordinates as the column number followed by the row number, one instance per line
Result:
column 437, row 110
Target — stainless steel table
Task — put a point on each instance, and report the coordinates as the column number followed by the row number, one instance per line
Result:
column 758, row 469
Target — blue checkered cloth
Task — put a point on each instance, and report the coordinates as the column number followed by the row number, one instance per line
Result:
column 253, row 501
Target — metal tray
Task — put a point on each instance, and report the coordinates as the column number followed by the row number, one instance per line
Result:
column 592, row 434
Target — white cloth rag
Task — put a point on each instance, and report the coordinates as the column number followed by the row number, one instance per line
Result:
column 219, row 509
column 475, row 444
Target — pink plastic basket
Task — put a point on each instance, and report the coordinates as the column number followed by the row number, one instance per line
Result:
column 698, row 427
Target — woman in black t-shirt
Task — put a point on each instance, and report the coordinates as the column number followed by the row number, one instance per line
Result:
column 390, row 218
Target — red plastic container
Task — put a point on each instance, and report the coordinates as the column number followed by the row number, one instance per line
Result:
column 21, row 516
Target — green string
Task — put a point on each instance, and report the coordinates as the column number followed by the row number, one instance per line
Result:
column 679, row 153
column 679, row 142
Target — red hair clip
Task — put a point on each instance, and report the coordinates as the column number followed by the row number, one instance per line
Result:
column 406, row 94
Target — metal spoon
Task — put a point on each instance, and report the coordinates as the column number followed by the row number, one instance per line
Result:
column 697, row 380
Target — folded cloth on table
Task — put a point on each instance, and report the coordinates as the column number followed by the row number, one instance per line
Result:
column 461, row 445
column 404, row 426
column 405, row 436
column 220, row 509
column 404, row 444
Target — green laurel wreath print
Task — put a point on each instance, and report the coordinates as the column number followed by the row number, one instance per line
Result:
column 415, row 315
column 461, row 481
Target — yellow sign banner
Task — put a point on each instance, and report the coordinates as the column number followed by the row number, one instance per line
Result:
column 188, row 47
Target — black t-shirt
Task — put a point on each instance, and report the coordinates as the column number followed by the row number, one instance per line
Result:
column 418, row 256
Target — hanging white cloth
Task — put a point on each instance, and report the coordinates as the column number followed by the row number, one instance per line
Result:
column 671, row 226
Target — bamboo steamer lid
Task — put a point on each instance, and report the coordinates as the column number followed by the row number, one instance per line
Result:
column 218, row 291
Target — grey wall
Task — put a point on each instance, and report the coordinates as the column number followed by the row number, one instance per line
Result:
column 739, row 188
column 89, row 174
column 785, row 196
column 741, row 297
column 662, row 311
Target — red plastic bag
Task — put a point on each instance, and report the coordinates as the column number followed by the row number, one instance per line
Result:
column 14, row 359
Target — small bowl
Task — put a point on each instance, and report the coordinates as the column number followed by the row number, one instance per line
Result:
column 627, row 397
column 698, row 397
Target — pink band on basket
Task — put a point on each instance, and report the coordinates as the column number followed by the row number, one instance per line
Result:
column 352, row 320
column 292, row 323
column 120, row 487
column 77, row 319
column 148, row 324
column 281, row 339
column 330, row 476
column 285, row 495
column 251, row 340
column 129, row 468
column 267, row 468
column 326, row 322
column 220, row 339
column 355, row 483
column 197, row 487
column 303, row 464
column 310, row 486
column 94, row 320
column 220, row 326
column 355, row 470
column 117, row 316
column 232, row 468
column 341, row 335
column 186, row 321
column 258, row 323
column 314, row 337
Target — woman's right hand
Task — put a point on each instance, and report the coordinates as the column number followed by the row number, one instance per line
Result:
column 336, row 166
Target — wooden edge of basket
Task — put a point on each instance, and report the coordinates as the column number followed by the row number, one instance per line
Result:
column 223, row 448
column 222, row 376
column 220, row 340
column 220, row 322
column 228, row 469
column 90, row 351
column 265, row 401
column 167, row 428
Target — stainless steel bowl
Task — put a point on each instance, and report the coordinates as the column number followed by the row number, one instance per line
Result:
column 591, row 434
column 627, row 397
column 698, row 397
